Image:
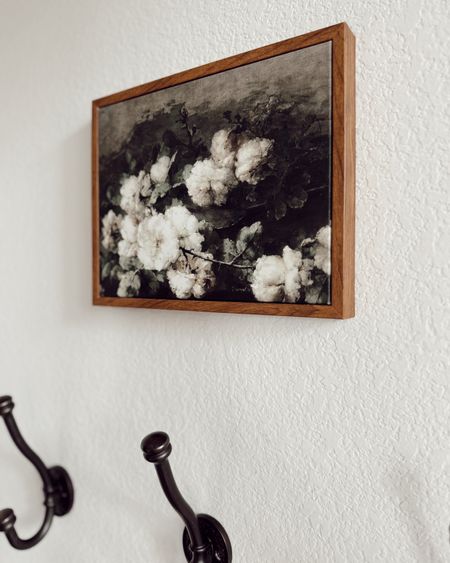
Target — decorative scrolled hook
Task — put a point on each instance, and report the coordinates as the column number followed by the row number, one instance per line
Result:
column 204, row 538
column 58, row 489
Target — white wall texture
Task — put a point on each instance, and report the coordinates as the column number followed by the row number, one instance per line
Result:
column 311, row 440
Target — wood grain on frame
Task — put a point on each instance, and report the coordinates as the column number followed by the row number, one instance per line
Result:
column 343, row 179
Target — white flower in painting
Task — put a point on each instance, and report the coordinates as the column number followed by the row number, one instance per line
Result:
column 131, row 189
column 204, row 275
column 322, row 259
column 129, row 284
column 191, row 276
column 128, row 245
column 268, row 279
column 322, row 252
column 157, row 242
column 277, row 278
column 181, row 283
column 186, row 226
column 305, row 272
column 292, row 261
column 251, row 155
column 128, row 228
column 208, row 184
column 223, row 148
column 323, row 236
column 160, row 169
column 110, row 228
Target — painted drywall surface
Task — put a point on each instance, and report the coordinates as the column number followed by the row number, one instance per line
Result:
column 312, row 440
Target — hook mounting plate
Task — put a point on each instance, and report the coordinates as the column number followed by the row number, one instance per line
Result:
column 64, row 490
column 214, row 532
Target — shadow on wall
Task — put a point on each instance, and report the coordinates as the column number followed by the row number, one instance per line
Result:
column 75, row 186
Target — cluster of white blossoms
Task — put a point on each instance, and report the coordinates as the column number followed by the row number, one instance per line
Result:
column 157, row 243
column 187, row 227
column 129, row 285
column 190, row 276
column 209, row 184
column 152, row 237
column 127, row 247
column 322, row 254
column 280, row 278
column 161, row 237
column 249, row 157
column 277, row 278
column 160, row 169
column 234, row 158
column 155, row 240
column 134, row 188
column 111, row 224
column 131, row 190
column 170, row 243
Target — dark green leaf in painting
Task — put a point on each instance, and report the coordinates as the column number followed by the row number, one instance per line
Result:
column 154, row 156
column 150, row 282
column 220, row 218
column 153, row 285
column 296, row 201
column 106, row 270
column 247, row 235
column 170, row 139
column 115, row 272
column 159, row 190
column 229, row 250
column 130, row 160
column 178, row 177
column 280, row 209
column 113, row 195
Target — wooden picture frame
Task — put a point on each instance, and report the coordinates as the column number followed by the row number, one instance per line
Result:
column 342, row 179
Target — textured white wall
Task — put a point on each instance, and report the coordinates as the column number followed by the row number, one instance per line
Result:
column 312, row 440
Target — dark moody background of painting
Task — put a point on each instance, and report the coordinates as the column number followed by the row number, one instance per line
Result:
column 286, row 98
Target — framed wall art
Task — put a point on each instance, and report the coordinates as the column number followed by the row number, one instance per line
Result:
column 230, row 187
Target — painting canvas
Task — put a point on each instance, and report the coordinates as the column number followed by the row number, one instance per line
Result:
column 218, row 189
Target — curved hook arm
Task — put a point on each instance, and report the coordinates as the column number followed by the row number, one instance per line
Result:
column 157, row 448
column 58, row 490
column 204, row 538
column 7, row 521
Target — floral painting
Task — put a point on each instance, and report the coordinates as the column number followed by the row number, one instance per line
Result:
column 220, row 188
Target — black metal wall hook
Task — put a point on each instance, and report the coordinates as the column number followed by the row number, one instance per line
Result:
column 204, row 538
column 58, row 489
